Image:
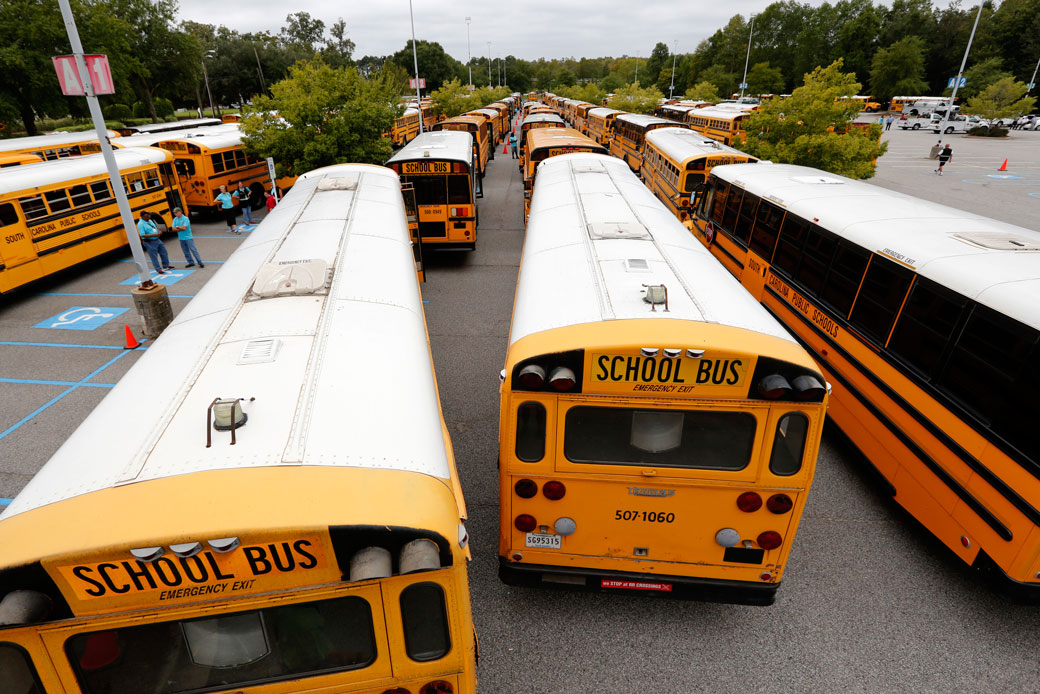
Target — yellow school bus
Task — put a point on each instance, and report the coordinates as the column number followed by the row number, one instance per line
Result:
column 405, row 127
column 925, row 318
column 204, row 162
column 535, row 121
column 629, row 136
column 659, row 429
column 257, row 527
column 56, row 214
column 722, row 123
column 19, row 159
column 477, row 127
column 543, row 143
column 439, row 167
column 676, row 165
column 599, row 124
column 55, row 145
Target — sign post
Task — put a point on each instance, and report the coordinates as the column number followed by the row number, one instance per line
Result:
column 84, row 85
column 270, row 172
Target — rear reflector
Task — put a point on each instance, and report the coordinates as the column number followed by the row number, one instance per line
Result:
column 525, row 523
column 525, row 488
column 554, row 490
column 779, row 503
column 770, row 539
column 749, row 502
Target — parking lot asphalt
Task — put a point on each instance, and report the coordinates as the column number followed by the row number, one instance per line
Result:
column 870, row 602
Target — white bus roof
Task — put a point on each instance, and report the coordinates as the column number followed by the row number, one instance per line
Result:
column 179, row 125
column 542, row 118
column 48, row 173
column 596, row 235
column 717, row 112
column 149, row 139
column 603, row 111
column 681, row 143
column 991, row 262
column 218, row 139
column 641, row 120
column 341, row 375
column 17, row 144
column 453, row 145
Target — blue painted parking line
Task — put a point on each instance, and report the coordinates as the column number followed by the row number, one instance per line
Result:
column 121, row 296
column 81, row 318
column 154, row 276
column 167, row 278
column 55, row 344
column 56, row 399
column 4, row 501
column 37, row 382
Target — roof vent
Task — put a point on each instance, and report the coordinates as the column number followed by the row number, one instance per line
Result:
column 617, row 230
column 637, row 265
column 291, row 278
column 260, row 351
column 346, row 182
column 999, row 241
column 588, row 167
column 818, row 180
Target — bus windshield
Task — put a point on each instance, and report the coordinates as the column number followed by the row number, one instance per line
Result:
column 698, row 439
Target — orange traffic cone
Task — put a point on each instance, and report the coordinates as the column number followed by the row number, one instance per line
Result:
column 505, row 145
column 131, row 341
column 1003, row 167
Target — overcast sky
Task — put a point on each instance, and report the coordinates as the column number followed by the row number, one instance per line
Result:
column 529, row 29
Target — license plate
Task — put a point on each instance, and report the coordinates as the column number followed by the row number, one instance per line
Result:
column 543, row 540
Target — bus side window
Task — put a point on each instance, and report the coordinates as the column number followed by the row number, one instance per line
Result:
column 7, row 215
column 185, row 167
column 742, row 230
column 880, row 299
column 100, row 190
column 218, row 162
column 57, row 200
column 16, row 672
column 530, row 432
column 767, row 228
column 844, row 277
column 789, row 248
column 789, row 444
column 926, row 326
column 80, row 195
column 425, row 620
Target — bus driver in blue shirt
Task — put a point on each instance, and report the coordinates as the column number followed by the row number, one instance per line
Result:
column 149, row 234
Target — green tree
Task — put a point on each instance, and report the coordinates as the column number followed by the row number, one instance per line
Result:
column 703, row 91
column 810, row 128
column 338, row 49
column 454, row 98
column 304, row 32
column 636, row 99
column 898, row 69
column 325, row 116
column 979, row 76
column 1005, row 98
column 436, row 66
column 725, row 82
column 762, row 79
column 659, row 58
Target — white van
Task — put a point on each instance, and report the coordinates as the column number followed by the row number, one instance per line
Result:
column 955, row 124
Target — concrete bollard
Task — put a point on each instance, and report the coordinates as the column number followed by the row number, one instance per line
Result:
column 153, row 306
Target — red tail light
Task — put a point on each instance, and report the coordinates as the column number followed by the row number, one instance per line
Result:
column 770, row 539
column 397, row 690
column 779, row 503
column 531, row 376
column 749, row 502
column 525, row 489
column 562, row 378
column 525, row 523
column 437, row 687
column 554, row 490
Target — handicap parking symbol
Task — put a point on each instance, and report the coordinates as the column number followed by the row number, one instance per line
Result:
column 167, row 278
column 81, row 318
column 247, row 227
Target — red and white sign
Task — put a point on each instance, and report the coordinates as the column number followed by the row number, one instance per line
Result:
column 68, row 75
column 421, row 80
column 635, row 585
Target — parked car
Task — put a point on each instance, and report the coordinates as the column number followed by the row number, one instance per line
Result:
column 955, row 124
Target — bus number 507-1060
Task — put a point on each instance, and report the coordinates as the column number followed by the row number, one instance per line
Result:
column 647, row 516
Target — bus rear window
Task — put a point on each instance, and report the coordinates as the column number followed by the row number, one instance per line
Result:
column 695, row 439
column 429, row 190
column 227, row 650
column 16, row 673
column 459, row 190
column 789, row 444
column 530, row 432
column 425, row 620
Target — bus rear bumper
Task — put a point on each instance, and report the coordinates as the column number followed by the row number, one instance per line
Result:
column 622, row 582
column 1003, row 585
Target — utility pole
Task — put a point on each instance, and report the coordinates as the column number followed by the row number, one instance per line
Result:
column 260, row 69
column 743, row 82
column 489, row 64
column 205, row 76
column 415, row 59
column 671, row 87
column 964, row 60
column 1032, row 80
column 637, row 68
column 469, row 55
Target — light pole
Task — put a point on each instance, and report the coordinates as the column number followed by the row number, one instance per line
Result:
column 415, row 59
column 964, row 60
column 469, row 55
column 489, row 64
column 205, row 76
column 671, row 87
column 1032, row 80
column 637, row 68
column 743, row 82
column 260, row 69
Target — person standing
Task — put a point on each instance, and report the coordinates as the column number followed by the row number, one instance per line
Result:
column 182, row 225
column 888, row 123
column 944, row 156
column 243, row 194
column 512, row 144
column 269, row 201
column 149, row 233
column 227, row 208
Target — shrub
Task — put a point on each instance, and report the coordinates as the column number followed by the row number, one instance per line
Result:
column 140, row 110
column 988, row 131
column 118, row 112
column 163, row 107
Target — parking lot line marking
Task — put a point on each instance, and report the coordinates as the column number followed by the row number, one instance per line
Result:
column 214, row 262
column 80, row 384
column 37, row 382
column 121, row 296
column 4, row 501
column 56, row 344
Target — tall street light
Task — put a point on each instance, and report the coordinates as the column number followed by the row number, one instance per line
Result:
column 964, row 60
column 415, row 59
column 637, row 68
column 469, row 55
column 743, row 82
column 489, row 64
column 205, row 76
column 671, row 87
column 1032, row 80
